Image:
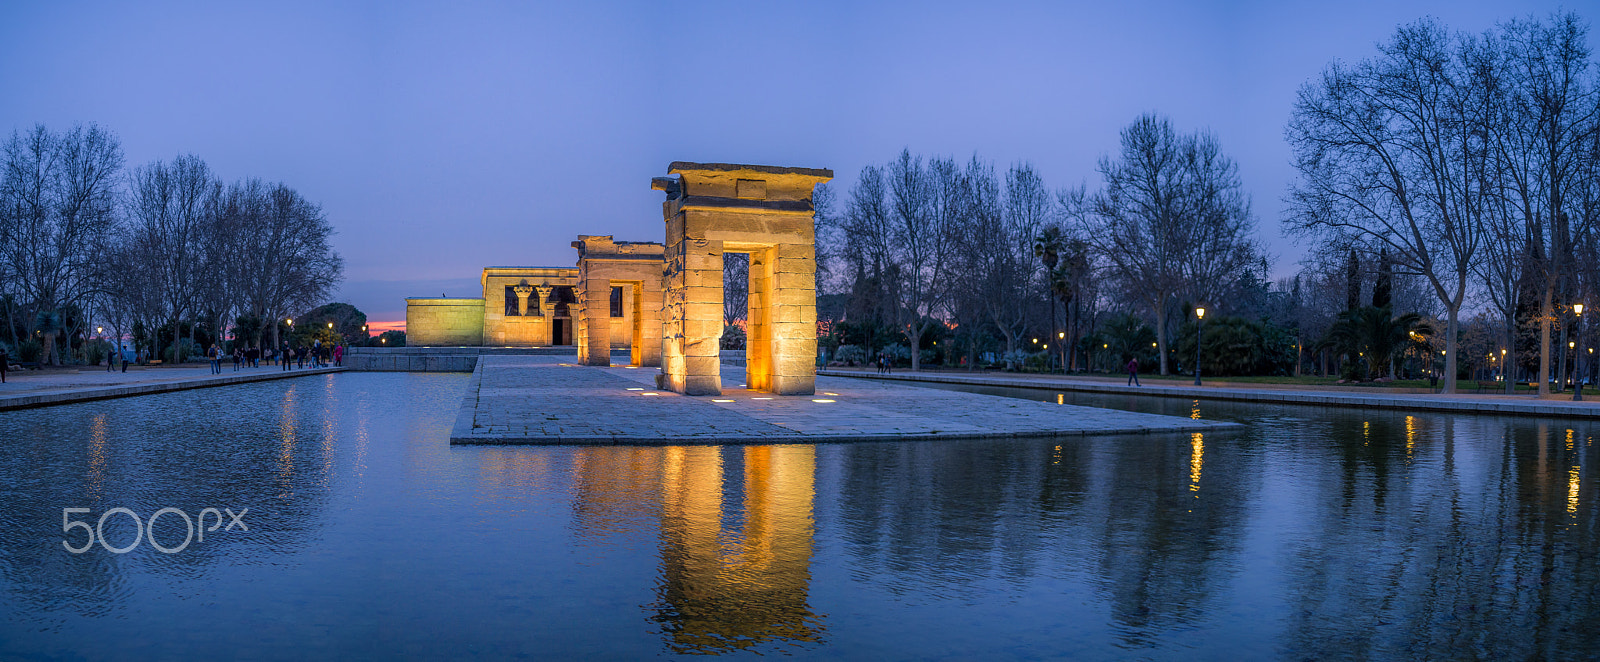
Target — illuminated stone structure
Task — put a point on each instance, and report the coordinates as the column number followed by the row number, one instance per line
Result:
column 765, row 211
column 444, row 321
column 527, row 306
column 520, row 307
column 619, row 296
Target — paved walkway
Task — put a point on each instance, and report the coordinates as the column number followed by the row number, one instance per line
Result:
column 1375, row 398
column 549, row 400
column 58, row 387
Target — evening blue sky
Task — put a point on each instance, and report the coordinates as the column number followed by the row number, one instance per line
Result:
column 441, row 138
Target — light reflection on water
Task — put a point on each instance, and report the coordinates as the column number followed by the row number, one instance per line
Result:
column 1314, row 533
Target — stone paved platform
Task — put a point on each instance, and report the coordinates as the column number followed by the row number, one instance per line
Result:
column 547, row 400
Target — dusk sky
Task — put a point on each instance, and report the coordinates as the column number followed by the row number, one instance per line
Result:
column 442, row 138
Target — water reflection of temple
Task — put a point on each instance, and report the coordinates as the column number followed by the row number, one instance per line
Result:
column 735, row 535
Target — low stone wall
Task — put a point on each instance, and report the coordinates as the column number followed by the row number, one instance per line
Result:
column 436, row 359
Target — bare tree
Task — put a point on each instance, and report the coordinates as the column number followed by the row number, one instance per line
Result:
column 866, row 234
column 57, row 202
column 168, row 205
column 827, row 241
column 735, row 288
column 995, row 249
column 1388, row 152
column 285, row 261
column 923, row 202
column 1172, row 219
column 1551, row 111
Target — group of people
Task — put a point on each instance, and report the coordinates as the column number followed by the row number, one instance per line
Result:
column 318, row 355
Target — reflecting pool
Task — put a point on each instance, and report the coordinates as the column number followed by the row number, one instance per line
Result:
column 1311, row 534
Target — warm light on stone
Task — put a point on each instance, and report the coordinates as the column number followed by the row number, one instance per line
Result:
column 766, row 212
column 636, row 268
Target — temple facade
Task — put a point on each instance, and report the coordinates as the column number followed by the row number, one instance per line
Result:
column 520, row 307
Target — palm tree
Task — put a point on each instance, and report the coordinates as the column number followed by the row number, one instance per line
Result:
column 1047, row 247
column 1375, row 336
column 48, row 324
column 1067, row 281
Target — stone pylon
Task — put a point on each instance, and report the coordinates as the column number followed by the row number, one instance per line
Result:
column 636, row 267
column 765, row 211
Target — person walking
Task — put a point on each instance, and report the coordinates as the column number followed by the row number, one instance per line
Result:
column 5, row 364
column 1133, row 372
column 338, row 355
column 238, row 357
column 283, row 355
column 211, row 359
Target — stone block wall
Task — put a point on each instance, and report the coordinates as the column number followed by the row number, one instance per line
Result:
column 528, row 329
column 444, row 322
column 636, row 267
column 765, row 211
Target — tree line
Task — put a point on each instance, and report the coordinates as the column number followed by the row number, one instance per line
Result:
column 1447, row 174
column 1471, row 161
column 991, row 262
column 152, row 253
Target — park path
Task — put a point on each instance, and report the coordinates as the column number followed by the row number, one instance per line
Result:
column 25, row 389
column 1369, row 397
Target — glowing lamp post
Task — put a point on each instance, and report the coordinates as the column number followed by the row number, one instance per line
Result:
column 1577, row 377
column 1199, row 323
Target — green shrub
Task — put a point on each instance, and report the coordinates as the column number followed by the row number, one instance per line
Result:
column 95, row 351
column 850, row 355
column 29, row 351
column 184, row 349
column 733, row 337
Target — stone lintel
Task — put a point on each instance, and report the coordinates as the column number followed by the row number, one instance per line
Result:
column 680, row 167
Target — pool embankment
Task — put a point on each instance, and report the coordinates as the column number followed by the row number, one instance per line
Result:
column 72, row 393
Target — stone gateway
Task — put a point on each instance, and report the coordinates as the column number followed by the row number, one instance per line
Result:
column 765, row 211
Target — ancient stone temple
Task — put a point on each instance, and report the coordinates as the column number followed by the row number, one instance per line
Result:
column 765, row 211
column 618, row 280
column 520, row 307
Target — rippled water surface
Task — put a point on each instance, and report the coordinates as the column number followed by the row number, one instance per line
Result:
column 1312, row 534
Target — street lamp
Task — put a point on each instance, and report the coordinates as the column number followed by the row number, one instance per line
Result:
column 1577, row 379
column 1199, row 323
